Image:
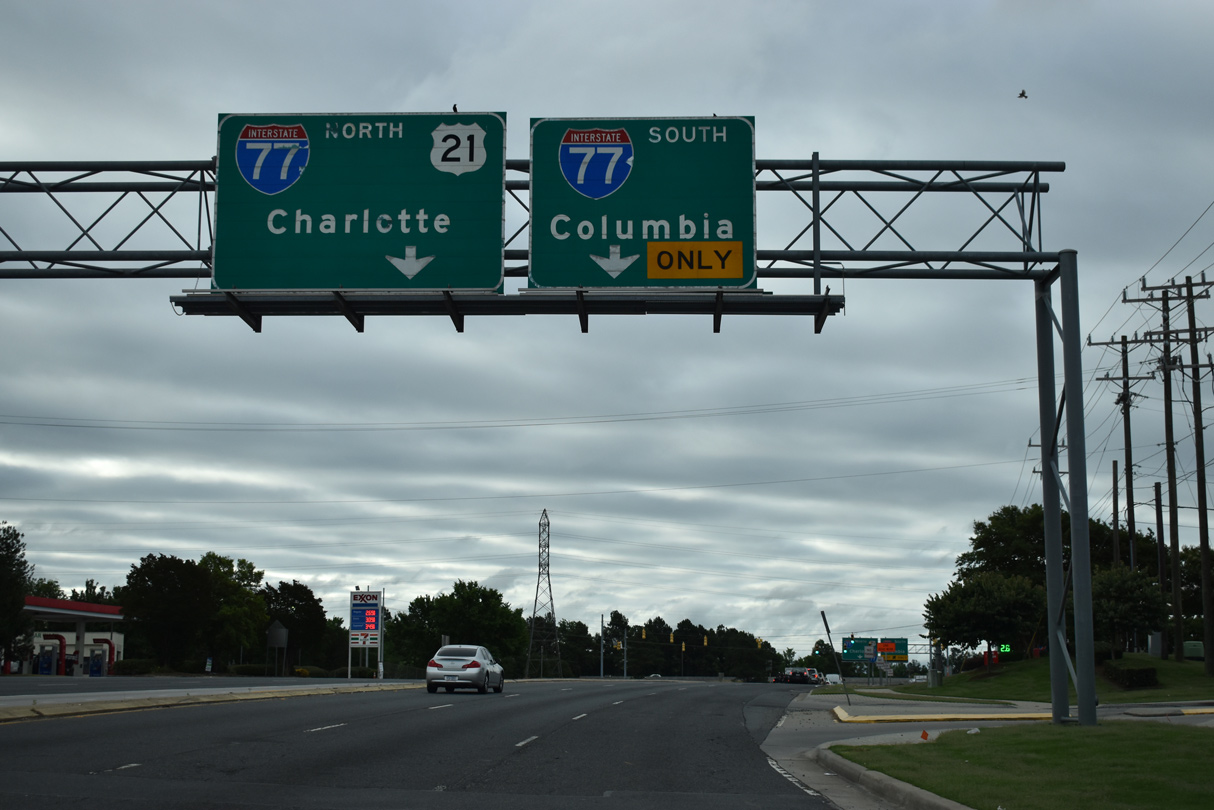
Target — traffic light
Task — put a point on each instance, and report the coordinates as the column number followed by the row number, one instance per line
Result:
column 642, row 634
column 758, row 643
column 684, row 646
column 672, row 638
column 705, row 641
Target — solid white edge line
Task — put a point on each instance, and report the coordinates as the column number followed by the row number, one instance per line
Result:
column 443, row 706
column 790, row 777
column 323, row 728
column 524, row 742
column 579, row 717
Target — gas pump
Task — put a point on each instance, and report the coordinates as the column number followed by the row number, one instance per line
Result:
column 97, row 662
column 46, row 659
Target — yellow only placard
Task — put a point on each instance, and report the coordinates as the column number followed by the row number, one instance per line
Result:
column 714, row 259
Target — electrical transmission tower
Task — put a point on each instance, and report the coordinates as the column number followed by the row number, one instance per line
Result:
column 544, row 636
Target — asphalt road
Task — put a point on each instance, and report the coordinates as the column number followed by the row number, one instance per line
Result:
column 614, row 744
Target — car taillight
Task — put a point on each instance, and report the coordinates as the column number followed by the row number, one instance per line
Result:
column 434, row 664
column 472, row 665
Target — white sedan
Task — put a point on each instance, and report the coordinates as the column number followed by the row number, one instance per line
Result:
column 464, row 666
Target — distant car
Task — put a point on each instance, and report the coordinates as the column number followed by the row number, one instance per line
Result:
column 833, row 678
column 797, row 675
column 654, row 675
column 464, row 666
column 816, row 678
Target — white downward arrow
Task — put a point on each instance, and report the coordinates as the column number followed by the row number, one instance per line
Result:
column 410, row 265
column 614, row 264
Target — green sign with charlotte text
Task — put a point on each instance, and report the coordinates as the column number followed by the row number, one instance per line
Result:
column 356, row 202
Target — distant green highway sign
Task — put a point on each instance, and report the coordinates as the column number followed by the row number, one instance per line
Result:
column 661, row 202
column 859, row 649
column 375, row 201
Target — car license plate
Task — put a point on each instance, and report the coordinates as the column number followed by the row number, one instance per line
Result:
column 451, row 678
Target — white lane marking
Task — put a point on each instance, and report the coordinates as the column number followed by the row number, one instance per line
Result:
column 579, row 717
column 514, row 695
column 524, row 742
column 443, row 706
column 617, row 703
column 323, row 728
column 790, row 777
column 124, row 767
column 782, row 719
column 567, row 689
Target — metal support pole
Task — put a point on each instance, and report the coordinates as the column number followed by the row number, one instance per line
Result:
column 1076, row 454
column 1051, row 504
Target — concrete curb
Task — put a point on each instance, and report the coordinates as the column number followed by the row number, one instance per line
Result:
column 10, row 714
column 843, row 716
column 887, row 787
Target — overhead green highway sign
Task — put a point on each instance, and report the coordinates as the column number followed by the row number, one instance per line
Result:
column 357, row 202
column 661, row 202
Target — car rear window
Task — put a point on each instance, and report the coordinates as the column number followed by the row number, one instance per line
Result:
column 458, row 652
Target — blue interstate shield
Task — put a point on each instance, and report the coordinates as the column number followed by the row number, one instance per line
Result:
column 272, row 157
column 596, row 162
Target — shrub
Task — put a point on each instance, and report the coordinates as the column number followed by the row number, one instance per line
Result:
column 134, row 666
column 1131, row 676
column 312, row 672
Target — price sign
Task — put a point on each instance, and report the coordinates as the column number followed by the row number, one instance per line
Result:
column 365, row 608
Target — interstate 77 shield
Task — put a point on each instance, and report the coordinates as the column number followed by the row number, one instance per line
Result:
column 377, row 201
column 642, row 203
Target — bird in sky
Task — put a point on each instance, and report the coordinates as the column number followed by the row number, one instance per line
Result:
column 1023, row 95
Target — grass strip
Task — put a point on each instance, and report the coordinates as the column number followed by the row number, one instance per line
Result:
column 1030, row 680
column 1115, row 765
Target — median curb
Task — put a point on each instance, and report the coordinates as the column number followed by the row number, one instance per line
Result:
column 843, row 716
column 34, row 711
column 887, row 787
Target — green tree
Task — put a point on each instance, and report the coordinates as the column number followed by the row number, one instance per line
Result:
column 167, row 602
column 47, row 588
column 236, row 616
column 469, row 614
column 579, row 649
column 16, row 574
column 1125, row 601
column 1012, row 541
column 93, row 594
column 301, row 612
column 986, row 607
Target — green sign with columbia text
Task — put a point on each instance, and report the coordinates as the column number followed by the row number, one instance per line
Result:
column 653, row 203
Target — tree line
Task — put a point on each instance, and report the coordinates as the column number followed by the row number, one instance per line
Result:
column 181, row 614
column 997, row 595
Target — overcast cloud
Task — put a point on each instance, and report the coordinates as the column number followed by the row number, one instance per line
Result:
column 749, row 478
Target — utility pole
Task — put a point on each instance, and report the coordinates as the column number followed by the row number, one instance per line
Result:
column 1117, row 520
column 1203, row 525
column 1161, row 554
column 1126, row 400
column 1194, row 333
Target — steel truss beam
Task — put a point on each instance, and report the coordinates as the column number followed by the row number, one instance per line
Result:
column 855, row 225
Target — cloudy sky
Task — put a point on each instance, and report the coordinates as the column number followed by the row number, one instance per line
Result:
column 750, row 478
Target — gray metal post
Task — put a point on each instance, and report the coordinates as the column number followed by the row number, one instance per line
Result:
column 1051, row 506
column 1076, row 454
